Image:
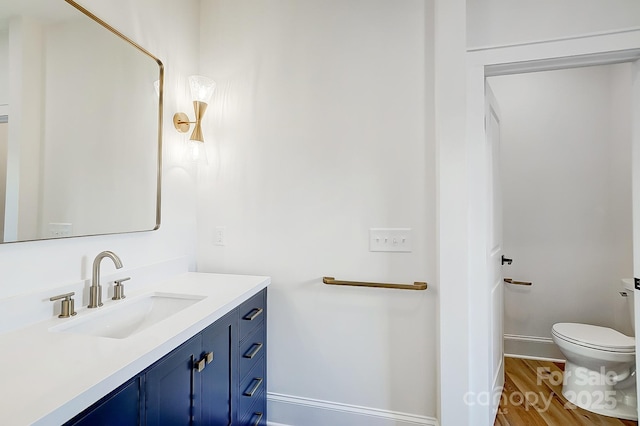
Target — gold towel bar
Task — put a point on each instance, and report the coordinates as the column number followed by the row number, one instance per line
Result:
column 418, row 285
column 512, row 281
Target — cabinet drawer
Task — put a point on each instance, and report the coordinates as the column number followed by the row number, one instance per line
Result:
column 252, row 387
column 252, row 313
column 257, row 414
column 252, row 350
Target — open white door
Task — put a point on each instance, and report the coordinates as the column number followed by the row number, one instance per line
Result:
column 494, row 249
column 635, row 176
column 4, row 140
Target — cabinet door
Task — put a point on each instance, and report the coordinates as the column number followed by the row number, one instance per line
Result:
column 169, row 386
column 216, row 389
column 119, row 408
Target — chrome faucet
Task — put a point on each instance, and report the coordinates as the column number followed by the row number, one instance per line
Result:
column 95, row 291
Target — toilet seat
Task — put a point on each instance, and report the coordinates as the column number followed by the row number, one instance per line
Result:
column 594, row 337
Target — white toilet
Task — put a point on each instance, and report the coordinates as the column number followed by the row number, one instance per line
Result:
column 600, row 373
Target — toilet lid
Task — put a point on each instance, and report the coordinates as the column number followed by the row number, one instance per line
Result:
column 593, row 336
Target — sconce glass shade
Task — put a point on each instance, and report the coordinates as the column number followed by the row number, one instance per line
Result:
column 196, row 153
column 201, row 88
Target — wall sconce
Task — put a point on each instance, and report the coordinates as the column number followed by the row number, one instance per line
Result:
column 201, row 90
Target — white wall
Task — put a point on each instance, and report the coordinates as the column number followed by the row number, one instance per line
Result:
column 23, row 152
column 4, row 70
column 566, row 185
column 321, row 128
column 27, row 267
column 505, row 22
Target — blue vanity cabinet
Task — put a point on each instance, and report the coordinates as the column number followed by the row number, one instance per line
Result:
column 252, row 361
column 121, row 407
column 216, row 378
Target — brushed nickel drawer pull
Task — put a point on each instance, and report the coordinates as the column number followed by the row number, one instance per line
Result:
column 256, row 385
column 208, row 357
column 257, row 422
column 512, row 281
column 253, row 350
column 199, row 365
column 253, row 314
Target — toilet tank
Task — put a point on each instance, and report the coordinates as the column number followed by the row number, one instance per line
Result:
column 629, row 288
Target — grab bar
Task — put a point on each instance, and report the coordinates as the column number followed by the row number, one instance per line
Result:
column 512, row 281
column 418, row 285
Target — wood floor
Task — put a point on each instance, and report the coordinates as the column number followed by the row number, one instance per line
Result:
column 521, row 378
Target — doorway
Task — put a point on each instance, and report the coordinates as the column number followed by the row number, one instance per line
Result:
column 566, row 197
column 567, row 205
column 578, row 148
column 474, row 205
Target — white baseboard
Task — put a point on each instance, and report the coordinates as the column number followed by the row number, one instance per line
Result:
column 531, row 347
column 287, row 410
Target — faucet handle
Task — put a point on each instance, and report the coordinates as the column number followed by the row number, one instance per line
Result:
column 67, row 304
column 118, row 289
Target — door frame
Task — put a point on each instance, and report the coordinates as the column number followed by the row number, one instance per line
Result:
column 462, row 388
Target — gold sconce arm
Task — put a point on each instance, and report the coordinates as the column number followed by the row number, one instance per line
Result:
column 182, row 124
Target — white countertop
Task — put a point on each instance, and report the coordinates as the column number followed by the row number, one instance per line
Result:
column 48, row 377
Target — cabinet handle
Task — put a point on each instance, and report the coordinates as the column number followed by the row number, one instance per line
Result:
column 199, row 366
column 67, row 307
column 255, row 386
column 253, row 350
column 118, row 288
column 257, row 422
column 253, row 314
column 208, row 357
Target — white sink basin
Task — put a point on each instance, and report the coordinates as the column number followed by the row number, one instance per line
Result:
column 129, row 316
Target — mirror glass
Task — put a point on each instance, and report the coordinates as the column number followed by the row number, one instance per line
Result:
column 80, row 125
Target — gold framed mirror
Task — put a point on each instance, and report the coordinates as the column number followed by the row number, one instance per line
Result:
column 83, row 111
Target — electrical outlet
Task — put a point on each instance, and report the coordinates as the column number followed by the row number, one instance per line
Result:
column 59, row 230
column 390, row 239
column 219, row 238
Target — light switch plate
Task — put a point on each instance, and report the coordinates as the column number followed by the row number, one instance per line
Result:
column 390, row 239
